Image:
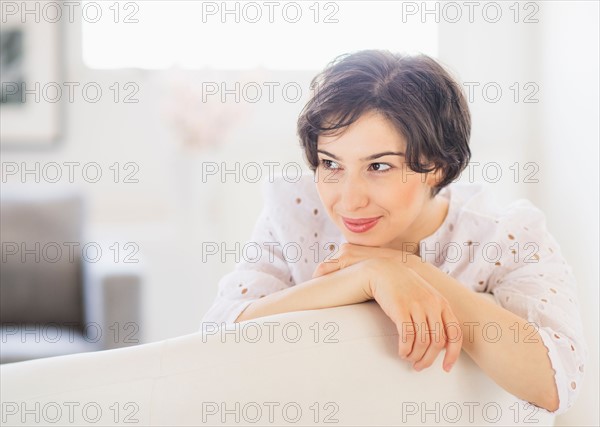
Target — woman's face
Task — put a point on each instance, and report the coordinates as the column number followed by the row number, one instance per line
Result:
column 356, row 179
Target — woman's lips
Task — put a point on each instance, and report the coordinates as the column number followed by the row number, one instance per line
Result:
column 360, row 225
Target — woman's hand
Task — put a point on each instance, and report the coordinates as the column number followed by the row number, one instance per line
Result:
column 423, row 317
column 349, row 254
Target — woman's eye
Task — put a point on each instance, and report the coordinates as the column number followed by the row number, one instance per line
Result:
column 379, row 168
column 327, row 164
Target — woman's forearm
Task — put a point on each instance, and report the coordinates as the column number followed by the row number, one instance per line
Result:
column 512, row 355
column 343, row 287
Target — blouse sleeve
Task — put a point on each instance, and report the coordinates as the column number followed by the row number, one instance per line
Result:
column 535, row 282
column 261, row 271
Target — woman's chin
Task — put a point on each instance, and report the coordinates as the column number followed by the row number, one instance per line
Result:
column 364, row 241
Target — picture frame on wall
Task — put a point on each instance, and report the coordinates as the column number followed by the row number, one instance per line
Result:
column 31, row 90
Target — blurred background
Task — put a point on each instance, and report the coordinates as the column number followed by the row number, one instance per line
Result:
column 135, row 133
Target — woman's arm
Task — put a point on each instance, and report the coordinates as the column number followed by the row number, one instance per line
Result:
column 505, row 346
column 521, row 358
column 402, row 294
column 343, row 287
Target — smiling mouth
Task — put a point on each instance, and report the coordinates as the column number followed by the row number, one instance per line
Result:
column 363, row 226
column 360, row 221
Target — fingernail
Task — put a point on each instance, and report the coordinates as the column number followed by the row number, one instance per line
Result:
column 448, row 367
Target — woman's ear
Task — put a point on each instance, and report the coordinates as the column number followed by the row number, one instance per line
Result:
column 434, row 177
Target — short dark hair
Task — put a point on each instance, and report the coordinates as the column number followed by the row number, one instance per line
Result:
column 414, row 92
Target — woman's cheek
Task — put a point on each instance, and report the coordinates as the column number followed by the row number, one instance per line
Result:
column 327, row 196
column 401, row 196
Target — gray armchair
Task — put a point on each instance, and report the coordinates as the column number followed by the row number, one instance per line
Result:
column 55, row 297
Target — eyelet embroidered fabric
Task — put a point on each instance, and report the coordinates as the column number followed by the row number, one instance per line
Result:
column 506, row 251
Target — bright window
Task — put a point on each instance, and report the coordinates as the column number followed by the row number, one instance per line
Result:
column 244, row 34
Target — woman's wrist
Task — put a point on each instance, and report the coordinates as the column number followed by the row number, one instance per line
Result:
column 373, row 268
column 409, row 260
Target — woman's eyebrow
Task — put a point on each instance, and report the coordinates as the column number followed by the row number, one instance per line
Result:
column 371, row 157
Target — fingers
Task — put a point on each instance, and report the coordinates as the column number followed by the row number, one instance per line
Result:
column 318, row 271
column 349, row 254
column 326, row 267
column 406, row 335
column 453, row 338
column 435, row 330
column 424, row 319
column 421, row 337
column 435, row 335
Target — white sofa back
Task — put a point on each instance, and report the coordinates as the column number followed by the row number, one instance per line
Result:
column 317, row 367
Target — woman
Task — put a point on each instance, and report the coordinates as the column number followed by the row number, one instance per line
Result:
column 386, row 135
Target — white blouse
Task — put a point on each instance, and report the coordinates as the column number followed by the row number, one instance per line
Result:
column 506, row 251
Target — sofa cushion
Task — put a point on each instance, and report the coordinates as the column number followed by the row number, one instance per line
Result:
column 37, row 283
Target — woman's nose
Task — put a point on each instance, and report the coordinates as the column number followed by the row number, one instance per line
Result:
column 354, row 193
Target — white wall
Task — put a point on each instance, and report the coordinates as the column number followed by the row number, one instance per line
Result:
column 560, row 134
column 568, row 145
column 158, row 214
